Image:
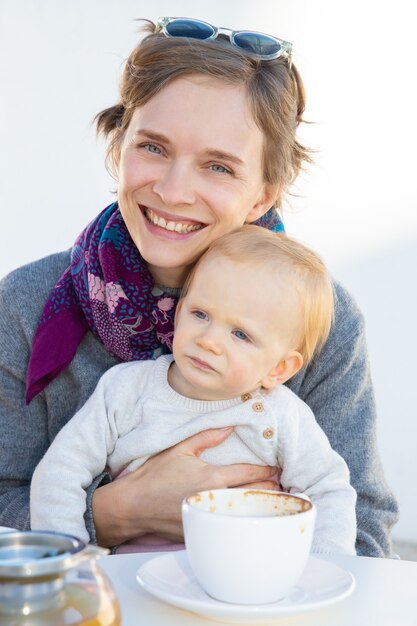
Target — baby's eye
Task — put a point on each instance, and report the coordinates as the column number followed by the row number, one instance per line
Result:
column 150, row 147
column 221, row 169
column 241, row 335
column 201, row 315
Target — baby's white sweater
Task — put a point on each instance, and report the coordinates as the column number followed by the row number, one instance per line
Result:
column 134, row 414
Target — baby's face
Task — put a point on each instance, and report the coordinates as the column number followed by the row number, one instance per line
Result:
column 234, row 326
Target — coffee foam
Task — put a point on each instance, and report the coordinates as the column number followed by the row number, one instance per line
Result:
column 249, row 502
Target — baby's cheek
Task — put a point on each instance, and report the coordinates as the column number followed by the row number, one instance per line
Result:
column 243, row 374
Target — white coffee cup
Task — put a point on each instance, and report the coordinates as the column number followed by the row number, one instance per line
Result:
column 247, row 546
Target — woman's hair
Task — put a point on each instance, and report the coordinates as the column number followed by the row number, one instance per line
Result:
column 275, row 92
column 291, row 261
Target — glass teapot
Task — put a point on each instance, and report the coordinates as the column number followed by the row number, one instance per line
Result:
column 52, row 579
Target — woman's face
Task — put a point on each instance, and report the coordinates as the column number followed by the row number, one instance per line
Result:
column 190, row 171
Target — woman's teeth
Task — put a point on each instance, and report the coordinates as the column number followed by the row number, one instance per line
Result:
column 178, row 227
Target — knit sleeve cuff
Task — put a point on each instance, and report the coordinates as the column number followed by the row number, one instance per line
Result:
column 102, row 479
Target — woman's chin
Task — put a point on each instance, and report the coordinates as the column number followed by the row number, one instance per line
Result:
column 170, row 256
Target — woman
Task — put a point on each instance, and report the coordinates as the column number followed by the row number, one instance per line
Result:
column 202, row 141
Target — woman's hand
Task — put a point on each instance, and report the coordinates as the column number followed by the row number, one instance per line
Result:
column 148, row 500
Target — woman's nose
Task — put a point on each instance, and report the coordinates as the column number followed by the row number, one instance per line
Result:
column 175, row 185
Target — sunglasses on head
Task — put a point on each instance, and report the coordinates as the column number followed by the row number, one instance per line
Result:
column 258, row 45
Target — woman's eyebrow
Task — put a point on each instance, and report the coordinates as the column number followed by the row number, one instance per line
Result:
column 151, row 134
column 222, row 155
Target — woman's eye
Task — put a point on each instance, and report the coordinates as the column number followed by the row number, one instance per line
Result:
column 201, row 315
column 221, row 169
column 150, row 147
column 241, row 335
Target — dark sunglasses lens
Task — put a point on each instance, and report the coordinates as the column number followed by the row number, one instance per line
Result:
column 189, row 28
column 257, row 43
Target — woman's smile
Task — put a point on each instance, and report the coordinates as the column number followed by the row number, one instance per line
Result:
column 171, row 223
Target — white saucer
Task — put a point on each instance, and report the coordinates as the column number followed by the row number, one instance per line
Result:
column 170, row 578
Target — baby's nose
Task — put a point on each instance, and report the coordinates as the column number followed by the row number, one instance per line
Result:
column 209, row 341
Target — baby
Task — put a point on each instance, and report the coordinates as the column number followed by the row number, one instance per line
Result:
column 256, row 308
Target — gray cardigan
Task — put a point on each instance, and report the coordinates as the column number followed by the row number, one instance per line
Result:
column 337, row 386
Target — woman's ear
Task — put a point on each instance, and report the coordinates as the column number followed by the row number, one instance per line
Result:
column 268, row 199
column 286, row 369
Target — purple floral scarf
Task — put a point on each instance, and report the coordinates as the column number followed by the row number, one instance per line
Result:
column 106, row 289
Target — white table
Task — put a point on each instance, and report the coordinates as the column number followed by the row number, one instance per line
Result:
column 385, row 595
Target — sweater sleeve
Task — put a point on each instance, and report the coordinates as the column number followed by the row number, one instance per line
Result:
column 77, row 455
column 23, row 430
column 312, row 467
column 338, row 388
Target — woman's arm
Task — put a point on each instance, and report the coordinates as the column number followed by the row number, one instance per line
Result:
column 26, row 431
column 338, row 388
column 23, row 431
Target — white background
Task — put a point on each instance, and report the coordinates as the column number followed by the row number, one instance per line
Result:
column 59, row 65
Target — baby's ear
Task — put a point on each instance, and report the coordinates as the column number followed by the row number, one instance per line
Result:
column 282, row 372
